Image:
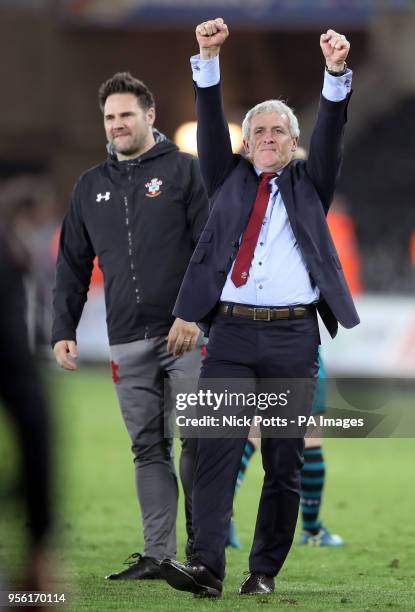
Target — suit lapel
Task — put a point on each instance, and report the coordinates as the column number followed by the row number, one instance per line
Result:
column 249, row 189
column 247, row 194
column 284, row 183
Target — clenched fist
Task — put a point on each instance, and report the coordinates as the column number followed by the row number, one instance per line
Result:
column 335, row 48
column 211, row 35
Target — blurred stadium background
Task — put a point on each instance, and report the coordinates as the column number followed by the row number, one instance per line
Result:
column 56, row 53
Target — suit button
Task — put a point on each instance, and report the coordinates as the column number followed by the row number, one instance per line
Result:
column 234, row 243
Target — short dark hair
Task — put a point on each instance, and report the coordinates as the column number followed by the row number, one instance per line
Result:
column 124, row 82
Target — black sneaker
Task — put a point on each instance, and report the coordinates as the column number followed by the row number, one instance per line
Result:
column 139, row 568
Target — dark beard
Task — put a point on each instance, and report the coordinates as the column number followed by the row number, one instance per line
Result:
column 132, row 150
column 129, row 151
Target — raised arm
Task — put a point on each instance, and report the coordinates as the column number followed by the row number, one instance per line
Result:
column 326, row 146
column 213, row 140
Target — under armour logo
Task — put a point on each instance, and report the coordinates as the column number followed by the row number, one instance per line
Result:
column 103, row 196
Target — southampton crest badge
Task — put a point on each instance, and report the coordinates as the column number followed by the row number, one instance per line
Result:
column 153, row 188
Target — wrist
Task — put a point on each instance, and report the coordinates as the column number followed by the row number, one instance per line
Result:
column 336, row 69
column 207, row 53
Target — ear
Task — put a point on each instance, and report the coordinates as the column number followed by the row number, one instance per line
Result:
column 246, row 146
column 151, row 116
column 294, row 144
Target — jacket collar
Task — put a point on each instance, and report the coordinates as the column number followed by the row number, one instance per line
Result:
column 162, row 146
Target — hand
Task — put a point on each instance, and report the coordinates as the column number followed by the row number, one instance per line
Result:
column 211, row 35
column 335, row 48
column 182, row 337
column 66, row 354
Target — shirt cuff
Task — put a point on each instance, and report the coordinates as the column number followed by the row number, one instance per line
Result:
column 336, row 88
column 206, row 73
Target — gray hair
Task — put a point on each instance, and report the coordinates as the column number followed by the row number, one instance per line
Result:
column 271, row 106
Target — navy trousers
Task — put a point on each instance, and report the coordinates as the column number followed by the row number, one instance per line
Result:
column 243, row 348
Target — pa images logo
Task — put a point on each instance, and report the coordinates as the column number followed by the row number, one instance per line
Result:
column 153, row 188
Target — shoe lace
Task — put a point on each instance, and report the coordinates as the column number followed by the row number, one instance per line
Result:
column 133, row 559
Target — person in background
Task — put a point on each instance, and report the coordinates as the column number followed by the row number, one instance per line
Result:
column 313, row 474
column 140, row 213
column 23, row 397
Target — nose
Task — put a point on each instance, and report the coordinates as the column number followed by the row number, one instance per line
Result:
column 118, row 124
column 269, row 137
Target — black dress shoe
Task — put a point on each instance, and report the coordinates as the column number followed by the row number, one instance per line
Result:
column 139, row 568
column 193, row 577
column 257, row 584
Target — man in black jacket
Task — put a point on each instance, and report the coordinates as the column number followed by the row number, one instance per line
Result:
column 264, row 263
column 141, row 213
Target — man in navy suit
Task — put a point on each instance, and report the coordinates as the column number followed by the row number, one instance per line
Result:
column 264, row 264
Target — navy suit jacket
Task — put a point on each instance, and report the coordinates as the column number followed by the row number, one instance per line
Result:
column 307, row 189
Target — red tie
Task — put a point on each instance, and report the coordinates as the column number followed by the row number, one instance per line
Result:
column 246, row 251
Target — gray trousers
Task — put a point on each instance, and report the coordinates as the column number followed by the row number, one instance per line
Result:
column 139, row 369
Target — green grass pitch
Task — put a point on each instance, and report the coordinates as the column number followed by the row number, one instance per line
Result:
column 369, row 500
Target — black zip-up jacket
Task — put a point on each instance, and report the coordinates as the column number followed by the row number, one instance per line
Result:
column 142, row 218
